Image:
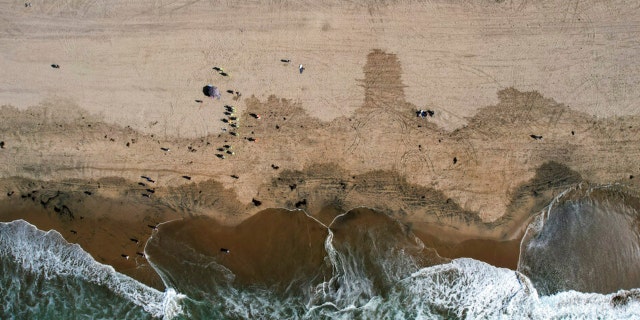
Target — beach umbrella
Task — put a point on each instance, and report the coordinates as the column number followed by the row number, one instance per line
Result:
column 211, row 91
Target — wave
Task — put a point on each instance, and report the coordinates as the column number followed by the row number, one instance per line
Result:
column 44, row 276
column 283, row 264
column 372, row 267
column 586, row 240
column 467, row 288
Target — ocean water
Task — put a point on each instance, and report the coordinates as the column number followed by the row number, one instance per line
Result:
column 588, row 240
column 286, row 265
column 44, row 277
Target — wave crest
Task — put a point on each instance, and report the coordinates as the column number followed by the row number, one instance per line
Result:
column 47, row 256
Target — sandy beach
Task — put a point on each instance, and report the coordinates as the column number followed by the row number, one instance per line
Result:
column 527, row 99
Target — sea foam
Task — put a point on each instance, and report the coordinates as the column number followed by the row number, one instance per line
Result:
column 48, row 255
column 372, row 271
column 471, row 289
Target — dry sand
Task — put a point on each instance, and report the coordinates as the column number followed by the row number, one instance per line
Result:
column 343, row 133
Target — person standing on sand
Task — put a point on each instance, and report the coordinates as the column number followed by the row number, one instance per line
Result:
column 301, row 68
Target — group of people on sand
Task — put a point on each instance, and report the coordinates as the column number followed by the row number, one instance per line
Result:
column 214, row 93
column 425, row 113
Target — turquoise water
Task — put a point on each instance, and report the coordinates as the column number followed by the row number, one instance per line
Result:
column 374, row 271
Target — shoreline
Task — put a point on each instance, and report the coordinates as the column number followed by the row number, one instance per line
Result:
column 105, row 227
column 111, row 231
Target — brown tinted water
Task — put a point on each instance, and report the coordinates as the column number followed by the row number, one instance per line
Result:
column 272, row 248
column 287, row 250
column 502, row 254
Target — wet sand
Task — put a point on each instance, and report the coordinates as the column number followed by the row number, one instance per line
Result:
column 102, row 226
column 273, row 249
column 503, row 254
column 276, row 247
column 263, row 249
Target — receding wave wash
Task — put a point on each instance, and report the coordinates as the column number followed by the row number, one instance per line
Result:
column 286, row 264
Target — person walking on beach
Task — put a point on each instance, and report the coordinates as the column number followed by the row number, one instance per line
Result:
column 301, row 68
